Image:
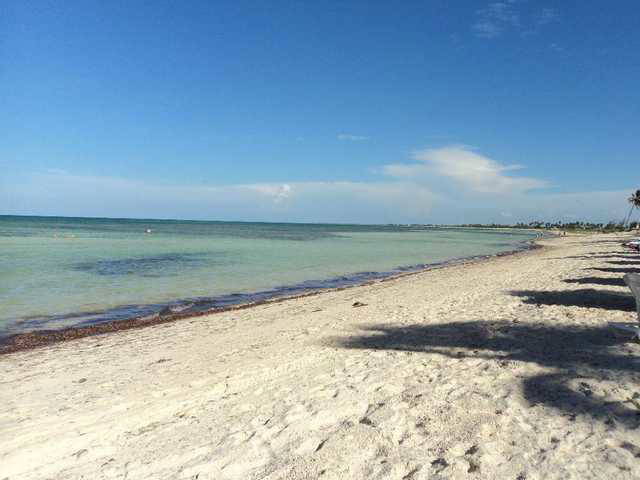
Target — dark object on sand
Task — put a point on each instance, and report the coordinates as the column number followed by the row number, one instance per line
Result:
column 633, row 282
column 359, row 304
column 633, row 244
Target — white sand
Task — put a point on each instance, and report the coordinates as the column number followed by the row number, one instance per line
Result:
column 443, row 374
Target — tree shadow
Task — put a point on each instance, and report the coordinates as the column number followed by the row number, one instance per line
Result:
column 577, row 257
column 591, row 257
column 579, row 353
column 599, row 242
column 617, row 282
column 623, row 256
column 584, row 297
column 600, row 255
column 614, row 269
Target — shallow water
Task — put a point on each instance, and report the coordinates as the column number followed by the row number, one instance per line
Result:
column 59, row 272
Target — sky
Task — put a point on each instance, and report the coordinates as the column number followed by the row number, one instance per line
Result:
column 360, row 111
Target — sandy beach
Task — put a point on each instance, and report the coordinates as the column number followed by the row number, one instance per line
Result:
column 502, row 369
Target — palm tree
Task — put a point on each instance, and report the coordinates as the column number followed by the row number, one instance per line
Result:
column 634, row 200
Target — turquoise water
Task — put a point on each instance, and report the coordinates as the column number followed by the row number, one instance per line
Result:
column 59, row 272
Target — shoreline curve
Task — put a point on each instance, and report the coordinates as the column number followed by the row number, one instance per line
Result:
column 40, row 338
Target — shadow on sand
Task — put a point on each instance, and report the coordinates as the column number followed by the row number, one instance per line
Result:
column 599, row 242
column 584, row 297
column 611, row 281
column 579, row 354
column 615, row 270
column 591, row 257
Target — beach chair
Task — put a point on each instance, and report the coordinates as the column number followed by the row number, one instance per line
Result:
column 633, row 282
column 633, row 244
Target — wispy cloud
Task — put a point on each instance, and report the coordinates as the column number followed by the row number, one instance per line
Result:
column 277, row 193
column 454, row 184
column 547, row 16
column 61, row 193
column 352, row 138
column 470, row 169
column 495, row 18
column 498, row 18
column 557, row 48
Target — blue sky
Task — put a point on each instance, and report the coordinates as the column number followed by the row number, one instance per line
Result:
column 431, row 111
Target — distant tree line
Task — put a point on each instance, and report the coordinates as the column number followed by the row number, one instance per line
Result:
column 612, row 226
column 569, row 226
column 634, row 202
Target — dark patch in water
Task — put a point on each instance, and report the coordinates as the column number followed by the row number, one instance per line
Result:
column 159, row 265
column 200, row 305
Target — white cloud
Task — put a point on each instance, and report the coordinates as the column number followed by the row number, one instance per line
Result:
column 495, row 18
column 467, row 168
column 278, row 193
column 447, row 185
column 501, row 17
column 77, row 195
column 352, row 138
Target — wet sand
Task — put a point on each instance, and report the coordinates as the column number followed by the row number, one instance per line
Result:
column 497, row 369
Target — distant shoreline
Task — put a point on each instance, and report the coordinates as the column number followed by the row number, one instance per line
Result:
column 421, row 225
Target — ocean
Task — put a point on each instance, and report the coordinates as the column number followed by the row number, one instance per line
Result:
column 58, row 272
